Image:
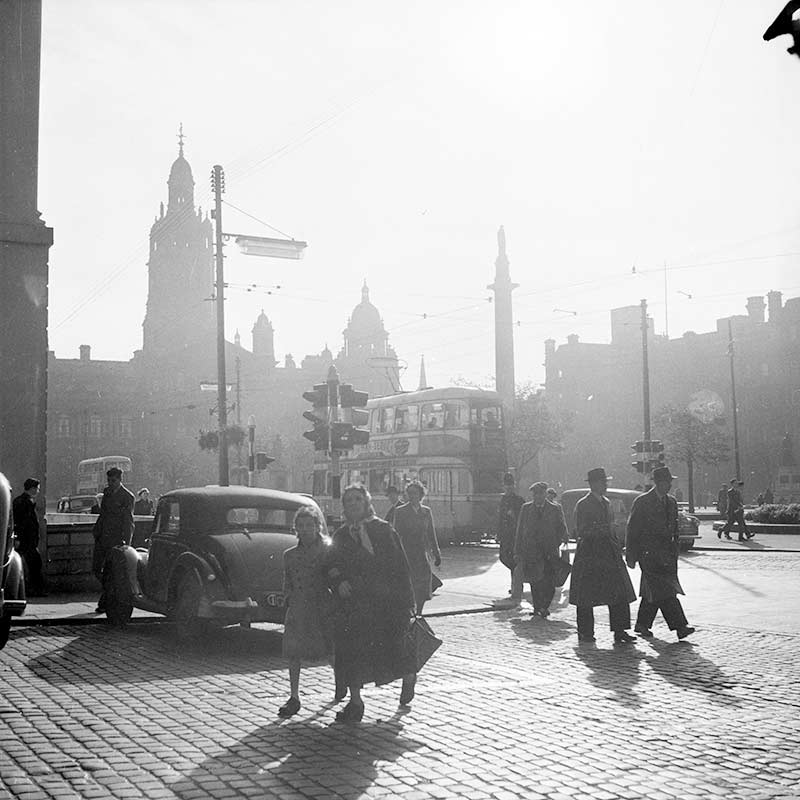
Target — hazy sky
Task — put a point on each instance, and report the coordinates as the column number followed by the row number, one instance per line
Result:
column 396, row 137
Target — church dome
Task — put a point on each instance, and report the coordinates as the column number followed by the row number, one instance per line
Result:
column 365, row 316
column 181, row 172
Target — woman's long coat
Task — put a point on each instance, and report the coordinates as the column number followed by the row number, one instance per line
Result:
column 652, row 540
column 599, row 575
column 369, row 626
column 418, row 535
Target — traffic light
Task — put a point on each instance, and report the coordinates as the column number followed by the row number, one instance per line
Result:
column 657, row 450
column 263, row 461
column 639, row 450
column 318, row 397
column 354, row 414
column 639, row 447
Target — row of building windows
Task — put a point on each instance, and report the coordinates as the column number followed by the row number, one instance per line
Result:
column 94, row 426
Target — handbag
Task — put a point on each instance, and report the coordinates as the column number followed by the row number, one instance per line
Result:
column 419, row 643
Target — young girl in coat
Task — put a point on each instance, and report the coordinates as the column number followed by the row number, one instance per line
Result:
column 304, row 634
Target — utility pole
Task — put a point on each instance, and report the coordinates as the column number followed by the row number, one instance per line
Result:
column 733, row 403
column 218, row 187
column 645, row 374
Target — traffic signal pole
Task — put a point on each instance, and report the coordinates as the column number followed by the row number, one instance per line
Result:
column 645, row 374
column 333, row 418
column 218, row 187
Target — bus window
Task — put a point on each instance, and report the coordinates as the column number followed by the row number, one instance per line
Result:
column 375, row 420
column 406, row 418
column 463, row 483
column 432, row 416
column 437, row 481
column 456, row 414
column 387, row 420
column 378, row 481
column 488, row 417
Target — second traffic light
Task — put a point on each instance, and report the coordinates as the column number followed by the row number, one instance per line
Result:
column 318, row 397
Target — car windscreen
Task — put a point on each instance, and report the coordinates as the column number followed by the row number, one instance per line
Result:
column 250, row 518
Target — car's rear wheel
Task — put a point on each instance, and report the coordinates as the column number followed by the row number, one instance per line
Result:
column 185, row 611
column 5, row 629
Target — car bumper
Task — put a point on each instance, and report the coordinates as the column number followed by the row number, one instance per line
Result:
column 231, row 611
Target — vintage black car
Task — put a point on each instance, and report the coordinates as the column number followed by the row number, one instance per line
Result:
column 215, row 556
column 12, row 585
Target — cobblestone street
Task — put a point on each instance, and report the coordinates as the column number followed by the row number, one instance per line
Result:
column 507, row 708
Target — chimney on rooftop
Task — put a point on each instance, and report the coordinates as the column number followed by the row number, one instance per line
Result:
column 85, row 352
column 755, row 308
column 775, row 304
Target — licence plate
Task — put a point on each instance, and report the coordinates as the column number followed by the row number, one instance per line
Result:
column 275, row 600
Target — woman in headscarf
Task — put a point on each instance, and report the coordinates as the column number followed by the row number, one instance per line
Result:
column 367, row 571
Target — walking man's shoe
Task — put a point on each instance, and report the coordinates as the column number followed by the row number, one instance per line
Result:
column 645, row 633
column 719, row 534
column 685, row 631
column 507, row 602
column 623, row 637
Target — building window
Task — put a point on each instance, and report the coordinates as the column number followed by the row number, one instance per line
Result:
column 126, row 428
column 95, row 426
column 63, row 428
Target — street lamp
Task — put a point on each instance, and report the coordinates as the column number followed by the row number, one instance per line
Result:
column 250, row 245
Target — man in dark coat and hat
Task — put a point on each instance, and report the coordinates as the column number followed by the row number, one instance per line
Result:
column 652, row 540
column 510, row 506
column 599, row 576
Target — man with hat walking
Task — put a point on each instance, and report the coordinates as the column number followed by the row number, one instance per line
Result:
column 114, row 525
column 735, row 512
column 599, row 576
column 510, row 506
column 652, row 540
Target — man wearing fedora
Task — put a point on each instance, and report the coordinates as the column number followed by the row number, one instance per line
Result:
column 652, row 540
column 599, row 576
column 735, row 513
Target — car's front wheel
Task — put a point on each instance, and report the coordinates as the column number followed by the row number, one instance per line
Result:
column 5, row 629
column 185, row 611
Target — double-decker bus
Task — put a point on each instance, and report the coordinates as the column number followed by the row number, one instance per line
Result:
column 92, row 473
column 450, row 439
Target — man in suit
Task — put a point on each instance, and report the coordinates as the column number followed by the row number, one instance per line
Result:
column 540, row 531
column 114, row 525
column 735, row 513
column 599, row 576
column 26, row 529
column 652, row 540
column 510, row 506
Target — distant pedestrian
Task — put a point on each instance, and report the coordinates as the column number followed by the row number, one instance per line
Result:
column 114, row 526
column 367, row 571
column 760, row 499
column 144, row 505
column 735, row 513
column 552, row 496
column 26, row 529
column 540, row 532
column 652, row 541
column 599, row 576
column 769, row 497
column 722, row 501
column 395, row 501
column 510, row 506
column 305, row 635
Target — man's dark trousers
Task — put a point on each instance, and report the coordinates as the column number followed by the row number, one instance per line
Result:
column 671, row 609
column 543, row 591
column 619, row 618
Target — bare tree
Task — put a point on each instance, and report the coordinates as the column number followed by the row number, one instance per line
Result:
column 692, row 439
column 534, row 428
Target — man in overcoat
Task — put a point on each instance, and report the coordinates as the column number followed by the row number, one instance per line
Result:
column 735, row 513
column 26, row 529
column 114, row 525
column 510, row 506
column 599, row 576
column 652, row 540
column 540, row 531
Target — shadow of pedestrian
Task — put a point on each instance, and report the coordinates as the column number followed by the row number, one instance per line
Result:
column 300, row 758
column 461, row 561
column 542, row 631
column 614, row 671
column 681, row 664
column 226, row 651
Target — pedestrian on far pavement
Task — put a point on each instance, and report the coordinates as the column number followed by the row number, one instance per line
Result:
column 722, row 500
column 144, row 505
column 26, row 529
column 541, row 530
column 305, row 635
column 652, row 540
column 373, row 600
column 114, row 526
column 735, row 513
column 395, row 501
column 760, row 499
column 599, row 576
column 510, row 506
column 769, row 497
